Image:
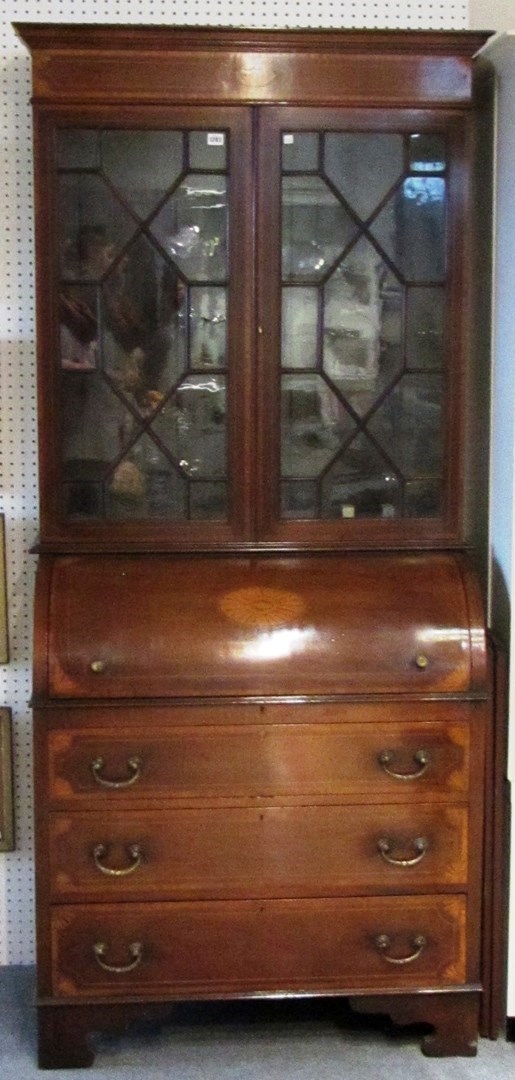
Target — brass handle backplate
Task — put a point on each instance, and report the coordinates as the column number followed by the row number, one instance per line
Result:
column 134, row 853
column 420, row 757
column 133, row 765
column 100, row 949
column 383, row 943
column 384, row 846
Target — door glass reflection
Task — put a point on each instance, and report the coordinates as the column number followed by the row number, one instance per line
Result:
column 143, row 291
column 364, row 323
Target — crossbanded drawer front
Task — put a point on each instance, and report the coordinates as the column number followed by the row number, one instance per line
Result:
column 271, row 851
column 274, row 946
column 398, row 761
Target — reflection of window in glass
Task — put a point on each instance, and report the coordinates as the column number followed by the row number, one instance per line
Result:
column 427, row 153
column 420, row 213
column 411, row 228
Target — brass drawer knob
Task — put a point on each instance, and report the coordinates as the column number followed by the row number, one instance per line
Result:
column 133, row 767
column 97, row 667
column 420, row 757
column 133, row 852
column 384, row 847
column 421, row 661
column 135, row 950
column 383, row 943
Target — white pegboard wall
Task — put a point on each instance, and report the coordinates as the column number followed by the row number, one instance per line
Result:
column 18, row 491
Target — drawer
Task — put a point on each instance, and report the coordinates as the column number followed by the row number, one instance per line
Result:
column 358, row 623
column 282, row 851
column 393, row 760
column 276, row 946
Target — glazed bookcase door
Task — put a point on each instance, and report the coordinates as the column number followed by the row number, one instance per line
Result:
column 361, row 315
column 148, row 274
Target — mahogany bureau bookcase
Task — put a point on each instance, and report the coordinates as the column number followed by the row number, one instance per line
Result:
column 263, row 699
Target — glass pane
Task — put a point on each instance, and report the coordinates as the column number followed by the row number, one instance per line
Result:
column 299, row 499
column 146, row 485
column 427, row 153
column 300, row 151
column 96, row 426
column 142, row 165
column 143, row 326
column 207, row 150
column 408, row 425
column 93, row 226
column 363, row 166
column 142, row 438
column 315, row 228
column 363, row 323
column 208, row 327
column 208, row 501
column 78, row 149
column 192, row 228
column 423, row 498
column 361, row 483
column 425, row 328
column 78, row 327
column 314, row 425
column 370, row 302
column 411, row 228
column 83, row 500
column 299, row 327
column 192, row 426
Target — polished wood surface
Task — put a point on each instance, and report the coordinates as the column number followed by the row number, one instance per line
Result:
column 158, row 627
column 65, row 1032
column 453, row 1018
column 320, row 751
column 255, row 946
column 176, row 64
column 260, row 746
column 271, row 851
